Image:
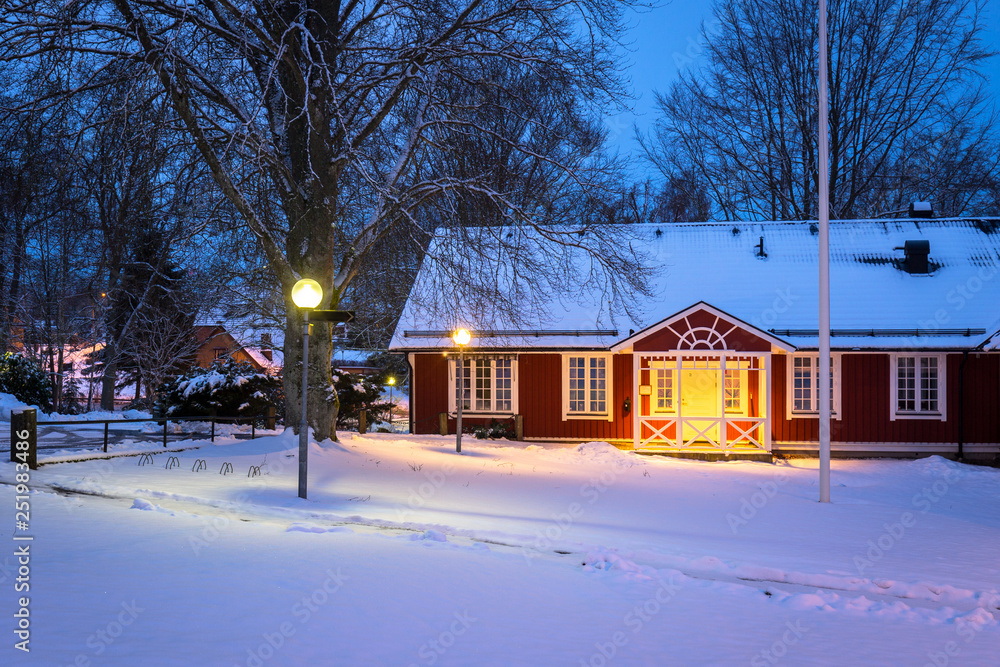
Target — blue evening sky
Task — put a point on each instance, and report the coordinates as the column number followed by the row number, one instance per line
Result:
column 663, row 37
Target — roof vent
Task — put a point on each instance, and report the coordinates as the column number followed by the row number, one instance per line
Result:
column 921, row 209
column 760, row 248
column 916, row 256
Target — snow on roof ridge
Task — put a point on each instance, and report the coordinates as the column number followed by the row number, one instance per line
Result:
column 730, row 223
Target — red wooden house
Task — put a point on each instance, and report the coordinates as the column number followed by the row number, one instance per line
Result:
column 726, row 363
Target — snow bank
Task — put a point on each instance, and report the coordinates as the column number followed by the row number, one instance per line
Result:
column 8, row 404
column 606, row 454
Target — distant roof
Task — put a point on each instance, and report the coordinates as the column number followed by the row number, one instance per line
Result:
column 874, row 302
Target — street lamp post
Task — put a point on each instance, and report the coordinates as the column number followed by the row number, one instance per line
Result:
column 392, row 383
column 306, row 294
column 461, row 338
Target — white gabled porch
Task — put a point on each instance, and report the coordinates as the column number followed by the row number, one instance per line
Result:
column 704, row 400
column 702, row 383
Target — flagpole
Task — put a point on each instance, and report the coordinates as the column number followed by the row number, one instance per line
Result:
column 823, row 393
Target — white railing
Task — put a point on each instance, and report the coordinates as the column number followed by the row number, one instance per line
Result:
column 697, row 432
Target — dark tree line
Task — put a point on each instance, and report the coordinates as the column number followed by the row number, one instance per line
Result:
column 336, row 132
column 909, row 117
column 96, row 214
column 161, row 155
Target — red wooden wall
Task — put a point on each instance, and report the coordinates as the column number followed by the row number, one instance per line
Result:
column 865, row 404
column 539, row 386
column 865, row 401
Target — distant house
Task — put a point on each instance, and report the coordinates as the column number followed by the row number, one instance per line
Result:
column 216, row 342
column 354, row 361
column 726, row 361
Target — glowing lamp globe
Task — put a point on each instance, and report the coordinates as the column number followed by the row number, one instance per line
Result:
column 392, row 381
column 307, row 293
column 462, row 337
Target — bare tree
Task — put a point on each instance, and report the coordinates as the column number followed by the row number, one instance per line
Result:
column 904, row 93
column 346, row 113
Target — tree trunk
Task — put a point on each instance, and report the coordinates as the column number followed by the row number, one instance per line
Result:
column 108, row 379
column 323, row 404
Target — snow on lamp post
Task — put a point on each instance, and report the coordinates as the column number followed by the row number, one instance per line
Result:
column 306, row 294
column 461, row 338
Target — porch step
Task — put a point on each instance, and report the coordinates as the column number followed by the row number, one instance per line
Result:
column 709, row 455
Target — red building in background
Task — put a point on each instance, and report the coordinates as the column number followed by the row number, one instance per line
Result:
column 727, row 364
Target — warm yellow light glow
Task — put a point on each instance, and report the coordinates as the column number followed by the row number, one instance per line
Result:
column 392, row 381
column 461, row 337
column 307, row 293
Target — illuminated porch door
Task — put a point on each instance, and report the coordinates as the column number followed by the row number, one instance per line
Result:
column 700, row 402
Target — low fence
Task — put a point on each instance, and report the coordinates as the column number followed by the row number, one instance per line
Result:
column 24, row 428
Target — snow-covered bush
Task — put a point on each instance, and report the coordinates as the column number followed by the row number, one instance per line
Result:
column 25, row 381
column 229, row 389
column 356, row 393
column 494, row 430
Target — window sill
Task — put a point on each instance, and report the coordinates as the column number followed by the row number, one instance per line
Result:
column 932, row 416
column 477, row 415
column 589, row 415
column 812, row 415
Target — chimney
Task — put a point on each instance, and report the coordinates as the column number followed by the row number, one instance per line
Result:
column 265, row 343
column 921, row 209
column 916, row 253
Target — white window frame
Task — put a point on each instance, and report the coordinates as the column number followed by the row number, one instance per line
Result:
column 471, row 410
column 942, row 386
column 654, row 397
column 743, row 384
column 608, row 413
column 813, row 412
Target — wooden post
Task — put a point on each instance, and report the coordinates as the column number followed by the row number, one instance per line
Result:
column 105, row 437
column 519, row 427
column 270, row 418
column 443, row 423
column 24, row 438
column 363, row 422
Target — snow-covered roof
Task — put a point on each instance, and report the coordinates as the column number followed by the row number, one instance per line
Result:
column 874, row 302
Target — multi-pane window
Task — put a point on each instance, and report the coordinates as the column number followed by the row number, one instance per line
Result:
column 664, row 390
column 733, row 389
column 487, row 384
column 503, row 385
column 588, row 385
column 805, row 384
column 917, row 385
column 463, row 385
column 577, row 384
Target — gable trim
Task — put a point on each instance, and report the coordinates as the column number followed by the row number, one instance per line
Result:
column 666, row 322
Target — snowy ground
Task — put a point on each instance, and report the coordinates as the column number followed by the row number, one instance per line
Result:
column 408, row 554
